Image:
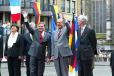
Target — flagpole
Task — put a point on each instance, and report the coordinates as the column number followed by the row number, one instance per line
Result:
column 19, row 21
column 73, row 12
column 33, row 12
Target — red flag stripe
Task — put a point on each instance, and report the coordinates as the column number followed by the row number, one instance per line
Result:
column 15, row 17
column 37, row 13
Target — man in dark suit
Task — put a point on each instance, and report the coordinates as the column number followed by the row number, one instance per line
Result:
column 27, row 42
column 1, row 46
column 41, row 40
column 112, row 62
column 27, row 39
column 87, row 47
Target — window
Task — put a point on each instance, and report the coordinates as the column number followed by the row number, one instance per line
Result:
column 98, row 16
column 27, row 3
column 73, row 6
column 45, row 4
column 51, row 2
column 63, row 6
column 22, row 3
column 1, row 18
column 6, row 2
column 7, row 16
column 42, row 4
column 68, row 6
column 1, row 2
column 31, row 3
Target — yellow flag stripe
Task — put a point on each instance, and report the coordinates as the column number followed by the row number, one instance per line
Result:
column 70, row 39
column 56, row 11
column 38, row 5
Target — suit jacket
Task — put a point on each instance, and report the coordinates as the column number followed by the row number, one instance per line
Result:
column 87, row 44
column 27, row 41
column 112, row 60
column 38, row 49
column 16, row 49
column 1, row 46
column 61, row 44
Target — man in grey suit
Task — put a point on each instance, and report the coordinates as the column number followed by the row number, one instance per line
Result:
column 61, row 51
column 37, row 50
column 87, row 47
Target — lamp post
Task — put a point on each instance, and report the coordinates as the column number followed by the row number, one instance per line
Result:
column 108, row 21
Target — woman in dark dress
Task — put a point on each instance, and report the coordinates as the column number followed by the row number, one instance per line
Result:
column 13, row 51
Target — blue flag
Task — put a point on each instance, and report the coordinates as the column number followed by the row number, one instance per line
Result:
column 53, row 25
column 76, row 32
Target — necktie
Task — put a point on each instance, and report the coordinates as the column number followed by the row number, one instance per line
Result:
column 31, row 37
column 81, row 31
column 41, row 38
column 59, row 33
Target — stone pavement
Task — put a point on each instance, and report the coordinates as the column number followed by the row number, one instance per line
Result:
column 102, row 63
column 101, row 69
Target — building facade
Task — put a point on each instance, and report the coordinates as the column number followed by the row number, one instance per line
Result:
column 100, row 17
column 96, row 12
column 65, row 6
column 112, row 18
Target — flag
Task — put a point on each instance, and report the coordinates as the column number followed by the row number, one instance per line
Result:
column 76, row 45
column 76, row 32
column 54, row 9
column 73, row 69
column 37, row 12
column 15, row 7
column 73, row 43
column 53, row 25
column 53, row 28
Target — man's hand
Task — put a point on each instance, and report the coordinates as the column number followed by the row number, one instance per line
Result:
column 48, row 61
column 6, row 57
column 0, row 59
column 19, row 57
column 24, row 57
column 110, row 67
column 52, row 58
column 25, row 14
column 69, row 60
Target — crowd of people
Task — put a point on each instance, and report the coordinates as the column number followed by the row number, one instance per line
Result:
column 103, row 56
column 33, row 46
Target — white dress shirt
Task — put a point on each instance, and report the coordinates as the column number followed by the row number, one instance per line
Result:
column 82, row 29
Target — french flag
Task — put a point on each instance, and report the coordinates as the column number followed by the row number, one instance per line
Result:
column 15, row 7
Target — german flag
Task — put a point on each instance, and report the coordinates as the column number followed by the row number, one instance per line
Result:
column 73, row 43
column 72, row 36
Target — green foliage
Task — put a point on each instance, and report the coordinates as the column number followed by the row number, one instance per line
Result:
column 108, row 43
column 101, row 36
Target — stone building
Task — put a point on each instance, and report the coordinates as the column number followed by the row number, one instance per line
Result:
column 65, row 6
column 101, row 17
